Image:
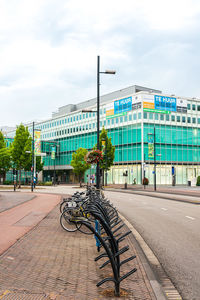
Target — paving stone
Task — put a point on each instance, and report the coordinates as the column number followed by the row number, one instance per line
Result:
column 51, row 263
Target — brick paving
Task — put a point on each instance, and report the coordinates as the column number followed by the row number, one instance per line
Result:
column 50, row 263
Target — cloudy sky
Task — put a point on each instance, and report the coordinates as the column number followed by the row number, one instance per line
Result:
column 49, row 48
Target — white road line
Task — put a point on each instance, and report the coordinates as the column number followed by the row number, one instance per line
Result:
column 191, row 218
column 164, row 208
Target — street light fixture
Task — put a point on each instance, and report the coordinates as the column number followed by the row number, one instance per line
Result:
column 112, row 72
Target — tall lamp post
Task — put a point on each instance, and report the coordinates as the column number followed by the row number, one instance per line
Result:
column 98, row 104
column 33, row 155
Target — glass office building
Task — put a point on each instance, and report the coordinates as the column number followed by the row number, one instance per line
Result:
column 149, row 130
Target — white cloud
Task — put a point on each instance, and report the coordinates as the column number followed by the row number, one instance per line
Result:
column 49, row 48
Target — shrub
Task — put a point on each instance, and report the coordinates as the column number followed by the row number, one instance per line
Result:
column 198, row 180
column 47, row 183
column 7, row 182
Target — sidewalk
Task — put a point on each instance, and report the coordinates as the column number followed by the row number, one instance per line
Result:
column 50, row 263
column 178, row 193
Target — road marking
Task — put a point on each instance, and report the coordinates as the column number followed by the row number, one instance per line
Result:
column 164, row 208
column 191, row 218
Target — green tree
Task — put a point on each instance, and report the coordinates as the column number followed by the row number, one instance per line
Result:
column 108, row 151
column 5, row 157
column 21, row 144
column 79, row 164
column 2, row 141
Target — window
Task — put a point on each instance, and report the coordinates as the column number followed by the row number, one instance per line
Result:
column 63, row 121
column 167, row 117
column 74, row 118
column 86, row 115
column 198, row 107
column 139, row 115
column 193, row 107
column 90, row 126
column 183, row 119
column 116, row 120
column 178, row 118
column 188, row 106
column 108, row 122
column 135, row 117
column 125, row 119
column 90, row 115
column 162, row 117
column 194, row 120
column 198, row 120
column 121, row 119
column 101, row 124
column 93, row 114
column 86, row 127
column 156, row 116
column 104, row 110
column 189, row 120
column 71, row 119
column 112, row 121
column 83, row 116
column 130, row 117
column 80, row 117
column 93, row 125
column 77, row 118
column 150, row 116
column 145, row 115
column 173, row 118
column 104, row 123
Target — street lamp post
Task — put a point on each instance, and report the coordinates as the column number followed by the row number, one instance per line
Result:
column 33, row 150
column 154, row 142
column 98, row 104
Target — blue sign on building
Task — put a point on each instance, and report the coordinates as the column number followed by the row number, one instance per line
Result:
column 165, row 103
column 123, row 105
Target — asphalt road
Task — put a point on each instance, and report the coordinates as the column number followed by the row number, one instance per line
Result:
column 172, row 230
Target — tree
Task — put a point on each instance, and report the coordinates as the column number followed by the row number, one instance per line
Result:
column 21, row 144
column 105, row 145
column 79, row 164
column 5, row 157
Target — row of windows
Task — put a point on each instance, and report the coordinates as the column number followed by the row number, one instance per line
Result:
column 71, row 119
column 193, row 107
column 108, row 122
column 83, row 116
column 173, row 118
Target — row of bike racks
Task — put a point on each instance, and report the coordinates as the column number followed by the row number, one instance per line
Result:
column 108, row 236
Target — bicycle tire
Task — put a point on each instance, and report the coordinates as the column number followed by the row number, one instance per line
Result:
column 84, row 229
column 62, row 205
column 66, row 224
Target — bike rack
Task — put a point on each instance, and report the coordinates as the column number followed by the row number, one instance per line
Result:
column 110, row 243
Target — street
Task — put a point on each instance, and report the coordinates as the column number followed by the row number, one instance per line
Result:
column 171, row 230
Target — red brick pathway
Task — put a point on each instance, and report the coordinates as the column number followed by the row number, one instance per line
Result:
column 49, row 263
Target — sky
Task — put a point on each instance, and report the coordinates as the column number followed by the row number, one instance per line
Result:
column 49, row 49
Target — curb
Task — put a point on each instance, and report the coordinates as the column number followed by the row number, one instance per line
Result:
column 197, row 202
column 164, row 288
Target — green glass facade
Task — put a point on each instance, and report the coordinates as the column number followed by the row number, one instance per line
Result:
column 129, row 118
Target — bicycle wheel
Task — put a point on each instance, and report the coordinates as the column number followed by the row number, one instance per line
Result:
column 62, row 206
column 67, row 224
column 84, row 229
